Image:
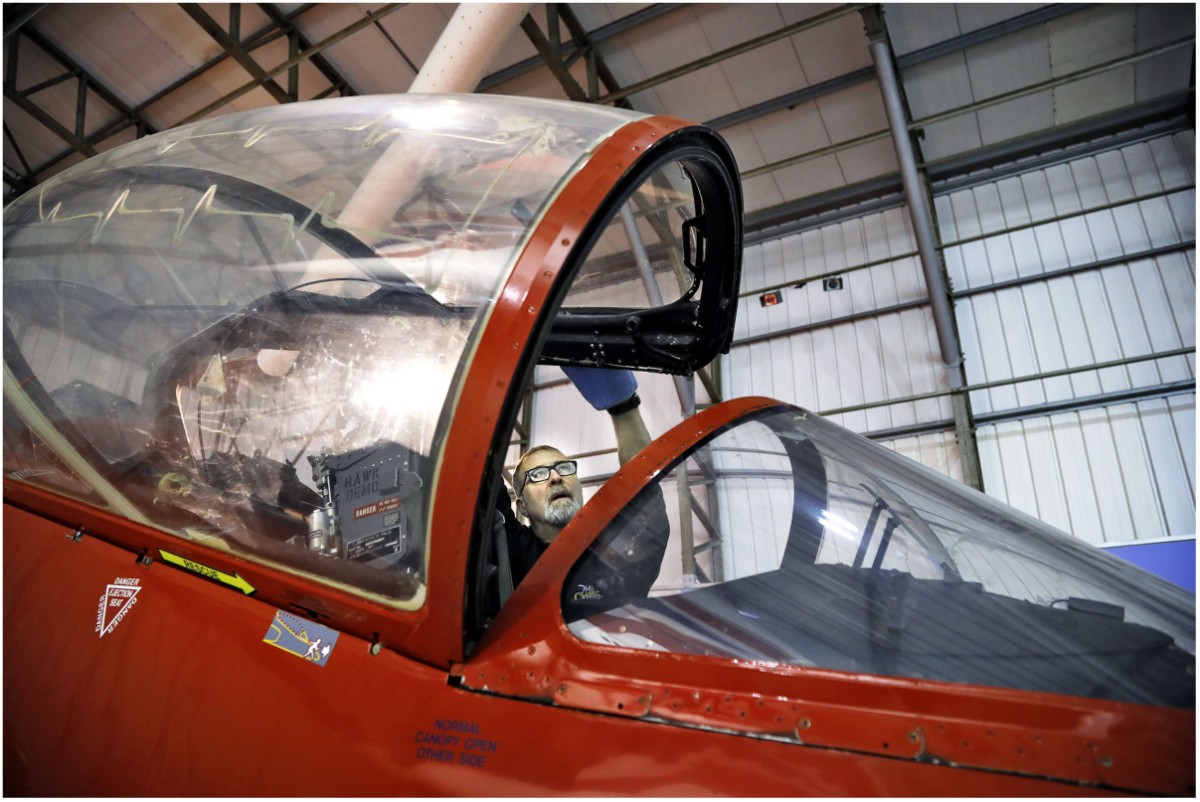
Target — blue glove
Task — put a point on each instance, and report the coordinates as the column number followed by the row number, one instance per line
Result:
column 603, row 388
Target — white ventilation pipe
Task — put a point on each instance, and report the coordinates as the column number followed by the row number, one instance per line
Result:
column 457, row 64
column 467, row 46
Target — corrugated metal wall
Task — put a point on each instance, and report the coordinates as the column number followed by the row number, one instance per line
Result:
column 1106, row 474
column 870, row 341
column 1078, row 264
column 1060, row 267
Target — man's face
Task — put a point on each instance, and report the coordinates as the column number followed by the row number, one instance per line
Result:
column 553, row 502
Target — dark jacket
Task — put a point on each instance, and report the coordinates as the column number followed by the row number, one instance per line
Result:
column 618, row 568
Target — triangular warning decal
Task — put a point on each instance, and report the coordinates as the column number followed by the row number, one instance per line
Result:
column 116, row 602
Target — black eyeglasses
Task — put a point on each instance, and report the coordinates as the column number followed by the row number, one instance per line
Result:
column 542, row 472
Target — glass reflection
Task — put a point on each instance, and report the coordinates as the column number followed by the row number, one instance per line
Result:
column 811, row 546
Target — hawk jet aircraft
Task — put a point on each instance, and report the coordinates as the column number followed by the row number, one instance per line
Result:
column 261, row 375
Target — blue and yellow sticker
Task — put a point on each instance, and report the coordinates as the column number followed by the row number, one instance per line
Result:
column 301, row 637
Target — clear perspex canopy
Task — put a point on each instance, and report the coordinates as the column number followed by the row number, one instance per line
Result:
column 221, row 329
column 819, row 548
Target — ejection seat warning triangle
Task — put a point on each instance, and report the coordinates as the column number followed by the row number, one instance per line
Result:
column 118, row 599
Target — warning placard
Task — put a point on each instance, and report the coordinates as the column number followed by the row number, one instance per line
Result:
column 118, row 599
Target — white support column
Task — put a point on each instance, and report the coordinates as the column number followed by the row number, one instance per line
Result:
column 468, row 44
column 457, row 64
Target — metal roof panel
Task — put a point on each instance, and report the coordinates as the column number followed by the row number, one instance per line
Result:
column 1013, row 62
column 937, row 85
column 853, row 112
column 765, row 73
column 791, row 132
column 833, row 49
column 912, row 26
column 973, row 16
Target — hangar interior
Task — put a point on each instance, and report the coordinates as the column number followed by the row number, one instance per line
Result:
column 969, row 228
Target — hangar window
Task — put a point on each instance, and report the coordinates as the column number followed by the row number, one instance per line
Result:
column 789, row 541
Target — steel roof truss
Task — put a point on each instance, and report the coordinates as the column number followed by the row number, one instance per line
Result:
column 230, row 42
column 78, row 138
column 365, row 21
column 298, row 41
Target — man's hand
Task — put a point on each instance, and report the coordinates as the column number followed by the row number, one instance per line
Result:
column 603, row 388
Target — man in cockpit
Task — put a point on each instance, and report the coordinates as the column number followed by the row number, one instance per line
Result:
column 547, row 492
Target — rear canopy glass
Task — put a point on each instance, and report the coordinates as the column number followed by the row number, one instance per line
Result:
column 249, row 331
column 803, row 544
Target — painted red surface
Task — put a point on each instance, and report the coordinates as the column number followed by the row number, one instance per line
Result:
column 182, row 696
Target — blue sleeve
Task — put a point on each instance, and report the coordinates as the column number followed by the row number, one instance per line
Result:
column 602, row 387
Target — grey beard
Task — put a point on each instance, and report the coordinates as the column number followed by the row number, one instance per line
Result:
column 560, row 511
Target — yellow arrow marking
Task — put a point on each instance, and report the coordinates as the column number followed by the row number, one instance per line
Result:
column 233, row 580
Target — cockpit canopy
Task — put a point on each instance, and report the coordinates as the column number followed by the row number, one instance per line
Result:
column 252, row 332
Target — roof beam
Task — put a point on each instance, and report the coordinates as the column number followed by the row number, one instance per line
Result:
column 18, row 181
column 1159, row 117
column 58, row 129
column 730, row 52
column 329, row 41
column 17, row 14
column 955, row 45
column 399, row 50
column 600, row 34
column 792, row 99
column 917, row 125
column 550, row 53
column 266, row 35
column 598, row 71
column 230, row 44
column 1052, row 83
column 285, row 23
column 78, row 140
column 282, row 24
column 102, row 91
column 995, row 31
